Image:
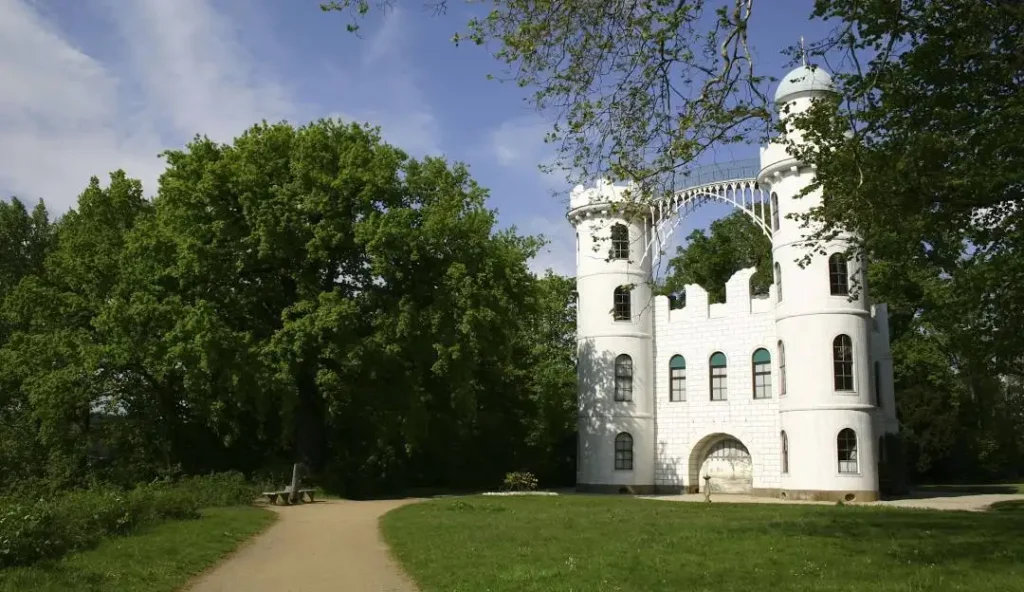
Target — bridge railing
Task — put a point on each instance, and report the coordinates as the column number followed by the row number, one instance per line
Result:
column 716, row 172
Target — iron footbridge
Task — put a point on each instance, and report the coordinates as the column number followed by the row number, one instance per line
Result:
column 733, row 183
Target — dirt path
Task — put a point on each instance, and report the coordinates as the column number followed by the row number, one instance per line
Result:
column 331, row 545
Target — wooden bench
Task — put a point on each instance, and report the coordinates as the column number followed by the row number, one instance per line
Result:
column 285, row 495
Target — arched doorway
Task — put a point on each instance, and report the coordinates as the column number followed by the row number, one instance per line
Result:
column 727, row 461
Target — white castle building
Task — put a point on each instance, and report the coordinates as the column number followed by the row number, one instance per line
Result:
column 788, row 396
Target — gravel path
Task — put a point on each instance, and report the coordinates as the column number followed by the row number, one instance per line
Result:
column 968, row 502
column 331, row 545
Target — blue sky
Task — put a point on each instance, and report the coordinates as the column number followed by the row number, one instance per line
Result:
column 90, row 86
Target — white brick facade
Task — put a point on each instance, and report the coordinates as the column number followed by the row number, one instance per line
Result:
column 736, row 328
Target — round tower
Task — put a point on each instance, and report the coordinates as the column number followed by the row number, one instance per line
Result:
column 615, row 340
column 823, row 324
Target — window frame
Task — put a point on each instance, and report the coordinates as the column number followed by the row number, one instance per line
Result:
column 838, row 278
column 765, row 372
column 841, row 365
column 622, row 304
column 878, row 384
column 778, row 282
column 852, row 458
column 623, row 378
column 782, row 368
column 619, row 250
column 785, row 452
column 774, row 205
column 677, row 382
column 724, row 376
column 624, row 453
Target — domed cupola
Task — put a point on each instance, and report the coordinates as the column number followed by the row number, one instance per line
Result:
column 803, row 81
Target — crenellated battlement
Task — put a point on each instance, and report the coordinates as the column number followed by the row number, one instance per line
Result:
column 603, row 192
column 739, row 302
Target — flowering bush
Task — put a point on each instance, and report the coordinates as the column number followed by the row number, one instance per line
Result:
column 520, row 481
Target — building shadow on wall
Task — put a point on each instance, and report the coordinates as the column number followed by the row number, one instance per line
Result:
column 601, row 418
column 669, row 471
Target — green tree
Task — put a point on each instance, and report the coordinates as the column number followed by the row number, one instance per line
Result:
column 54, row 367
column 303, row 293
column 735, row 242
column 914, row 155
column 24, row 239
column 312, row 293
column 550, row 375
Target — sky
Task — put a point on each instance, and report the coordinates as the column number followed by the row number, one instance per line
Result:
column 91, row 86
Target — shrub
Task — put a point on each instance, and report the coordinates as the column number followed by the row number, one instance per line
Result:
column 44, row 528
column 219, row 489
column 520, row 481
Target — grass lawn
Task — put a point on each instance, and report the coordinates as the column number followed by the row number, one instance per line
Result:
column 585, row 543
column 972, row 488
column 162, row 557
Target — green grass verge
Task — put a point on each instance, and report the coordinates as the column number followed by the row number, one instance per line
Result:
column 1009, row 506
column 972, row 488
column 588, row 543
column 162, row 557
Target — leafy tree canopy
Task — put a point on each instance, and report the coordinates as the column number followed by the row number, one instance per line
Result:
column 709, row 260
column 917, row 152
column 303, row 293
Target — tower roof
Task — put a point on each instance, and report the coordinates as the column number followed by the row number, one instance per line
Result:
column 803, row 79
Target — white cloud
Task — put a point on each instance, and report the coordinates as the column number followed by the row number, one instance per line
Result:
column 196, row 75
column 559, row 254
column 66, row 116
column 58, row 114
column 389, row 82
column 519, row 143
column 169, row 71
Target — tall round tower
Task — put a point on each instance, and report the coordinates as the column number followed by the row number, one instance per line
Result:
column 823, row 326
column 615, row 342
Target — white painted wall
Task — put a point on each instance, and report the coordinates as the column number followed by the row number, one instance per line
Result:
column 602, row 339
column 808, row 319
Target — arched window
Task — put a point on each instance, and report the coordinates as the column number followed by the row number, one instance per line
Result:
column 620, row 242
column 623, row 378
column 838, row 275
column 677, row 378
column 778, row 282
column 719, row 392
column 775, row 211
column 622, row 310
column 842, row 363
column 846, row 444
column 782, row 368
column 762, row 365
column 623, row 452
column 878, row 385
column 785, row 452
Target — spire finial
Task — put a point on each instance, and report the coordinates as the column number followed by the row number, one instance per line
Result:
column 803, row 51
